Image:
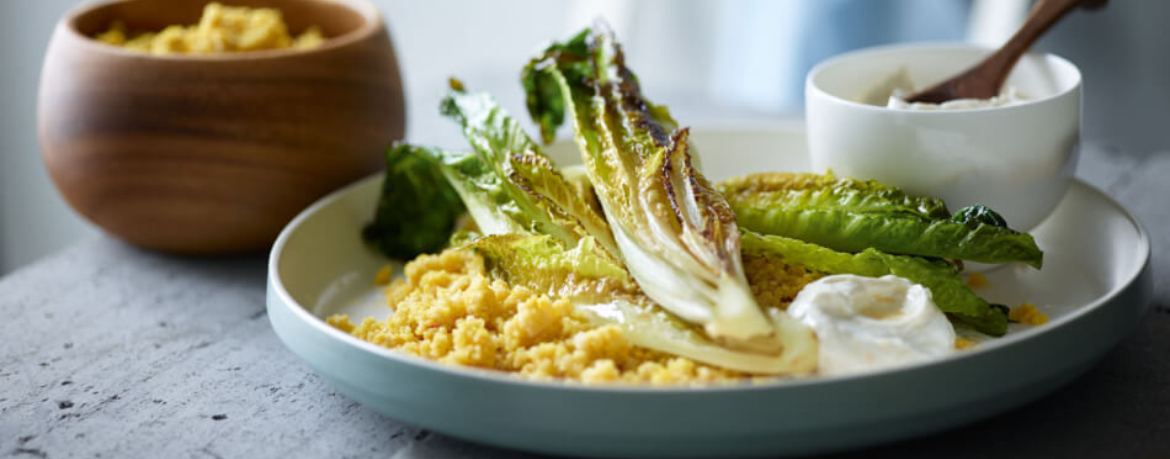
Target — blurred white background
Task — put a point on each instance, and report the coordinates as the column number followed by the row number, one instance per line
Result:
column 704, row 58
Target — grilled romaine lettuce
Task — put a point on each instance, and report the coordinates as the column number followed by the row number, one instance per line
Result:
column 540, row 241
column 853, row 215
column 676, row 233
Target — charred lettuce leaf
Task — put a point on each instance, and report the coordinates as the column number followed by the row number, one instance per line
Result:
column 676, row 233
column 946, row 287
column 853, row 215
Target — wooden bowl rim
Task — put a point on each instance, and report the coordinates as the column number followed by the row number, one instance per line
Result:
column 372, row 24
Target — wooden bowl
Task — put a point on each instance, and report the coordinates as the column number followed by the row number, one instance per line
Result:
column 214, row 154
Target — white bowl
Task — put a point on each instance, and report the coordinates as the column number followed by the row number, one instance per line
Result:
column 1017, row 159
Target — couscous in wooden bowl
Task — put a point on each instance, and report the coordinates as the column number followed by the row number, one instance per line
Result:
column 213, row 154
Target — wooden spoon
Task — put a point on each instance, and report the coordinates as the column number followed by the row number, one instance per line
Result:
column 984, row 80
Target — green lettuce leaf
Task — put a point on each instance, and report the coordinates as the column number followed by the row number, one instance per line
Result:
column 946, row 287
column 524, row 183
column 418, row 208
column 496, row 203
column 852, row 215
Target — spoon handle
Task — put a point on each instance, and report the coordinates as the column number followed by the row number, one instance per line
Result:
column 1043, row 15
column 986, row 78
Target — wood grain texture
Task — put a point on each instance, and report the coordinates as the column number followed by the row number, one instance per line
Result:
column 214, row 154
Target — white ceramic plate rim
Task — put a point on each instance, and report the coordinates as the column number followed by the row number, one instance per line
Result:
column 995, row 345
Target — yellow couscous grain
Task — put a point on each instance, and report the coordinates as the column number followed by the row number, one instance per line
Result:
column 384, row 275
column 1027, row 314
column 976, row 280
column 448, row 309
column 220, row 29
column 774, row 283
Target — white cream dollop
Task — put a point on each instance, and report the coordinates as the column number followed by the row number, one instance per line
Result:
column 865, row 323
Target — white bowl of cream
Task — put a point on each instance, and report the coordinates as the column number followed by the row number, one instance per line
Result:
column 1015, row 153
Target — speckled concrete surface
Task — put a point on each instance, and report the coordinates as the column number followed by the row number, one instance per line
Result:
column 109, row 351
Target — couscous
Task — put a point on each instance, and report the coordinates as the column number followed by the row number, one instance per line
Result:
column 221, row 29
column 448, row 309
column 1028, row 314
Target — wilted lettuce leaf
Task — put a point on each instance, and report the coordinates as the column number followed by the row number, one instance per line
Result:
column 853, row 215
column 524, row 184
column 946, row 287
column 417, row 210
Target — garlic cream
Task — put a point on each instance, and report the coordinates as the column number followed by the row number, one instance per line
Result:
column 865, row 324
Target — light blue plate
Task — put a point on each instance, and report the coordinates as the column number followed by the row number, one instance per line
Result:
column 1095, row 286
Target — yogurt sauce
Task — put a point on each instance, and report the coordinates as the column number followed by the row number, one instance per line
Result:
column 892, row 91
column 1010, row 96
column 866, row 324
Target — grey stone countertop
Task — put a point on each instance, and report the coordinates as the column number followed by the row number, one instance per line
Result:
column 110, row 351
